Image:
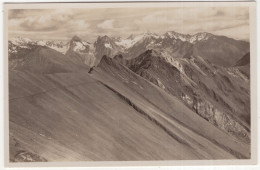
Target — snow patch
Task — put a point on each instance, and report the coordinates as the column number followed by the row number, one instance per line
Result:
column 62, row 50
column 19, row 41
column 84, row 43
column 78, row 46
column 131, row 40
column 186, row 37
column 108, row 45
column 187, row 99
column 42, row 43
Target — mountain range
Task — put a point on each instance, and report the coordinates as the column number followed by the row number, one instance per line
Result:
column 149, row 97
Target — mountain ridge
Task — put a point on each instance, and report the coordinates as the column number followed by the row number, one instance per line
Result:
column 171, row 43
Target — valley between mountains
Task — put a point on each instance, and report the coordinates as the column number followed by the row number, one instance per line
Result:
column 148, row 97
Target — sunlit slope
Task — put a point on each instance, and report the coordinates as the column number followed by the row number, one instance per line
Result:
column 81, row 119
column 86, row 121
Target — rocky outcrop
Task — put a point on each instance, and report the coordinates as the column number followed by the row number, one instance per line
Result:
column 219, row 118
column 81, row 52
column 105, row 45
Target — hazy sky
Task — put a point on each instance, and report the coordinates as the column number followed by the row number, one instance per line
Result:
column 89, row 23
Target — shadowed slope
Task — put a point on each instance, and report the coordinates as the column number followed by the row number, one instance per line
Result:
column 245, row 60
column 243, row 65
column 221, row 50
column 219, row 101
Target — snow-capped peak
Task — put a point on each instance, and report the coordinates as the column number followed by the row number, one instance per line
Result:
column 21, row 42
column 150, row 34
column 78, row 45
column 200, row 37
column 175, row 35
column 187, row 37
column 132, row 39
column 132, row 36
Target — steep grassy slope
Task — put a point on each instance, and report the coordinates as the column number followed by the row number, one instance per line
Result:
column 111, row 114
column 75, row 121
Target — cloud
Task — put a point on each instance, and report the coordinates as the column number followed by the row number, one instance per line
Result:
column 89, row 23
column 14, row 14
column 45, row 22
column 107, row 24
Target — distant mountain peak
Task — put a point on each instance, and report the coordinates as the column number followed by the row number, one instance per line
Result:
column 132, row 36
column 21, row 41
column 104, row 39
column 202, row 35
column 187, row 37
column 75, row 38
column 174, row 32
column 150, row 33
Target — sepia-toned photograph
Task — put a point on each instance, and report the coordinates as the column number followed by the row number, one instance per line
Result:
column 129, row 82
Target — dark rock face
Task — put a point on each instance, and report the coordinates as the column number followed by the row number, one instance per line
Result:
column 105, row 60
column 106, row 46
column 81, row 52
column 75, row 38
